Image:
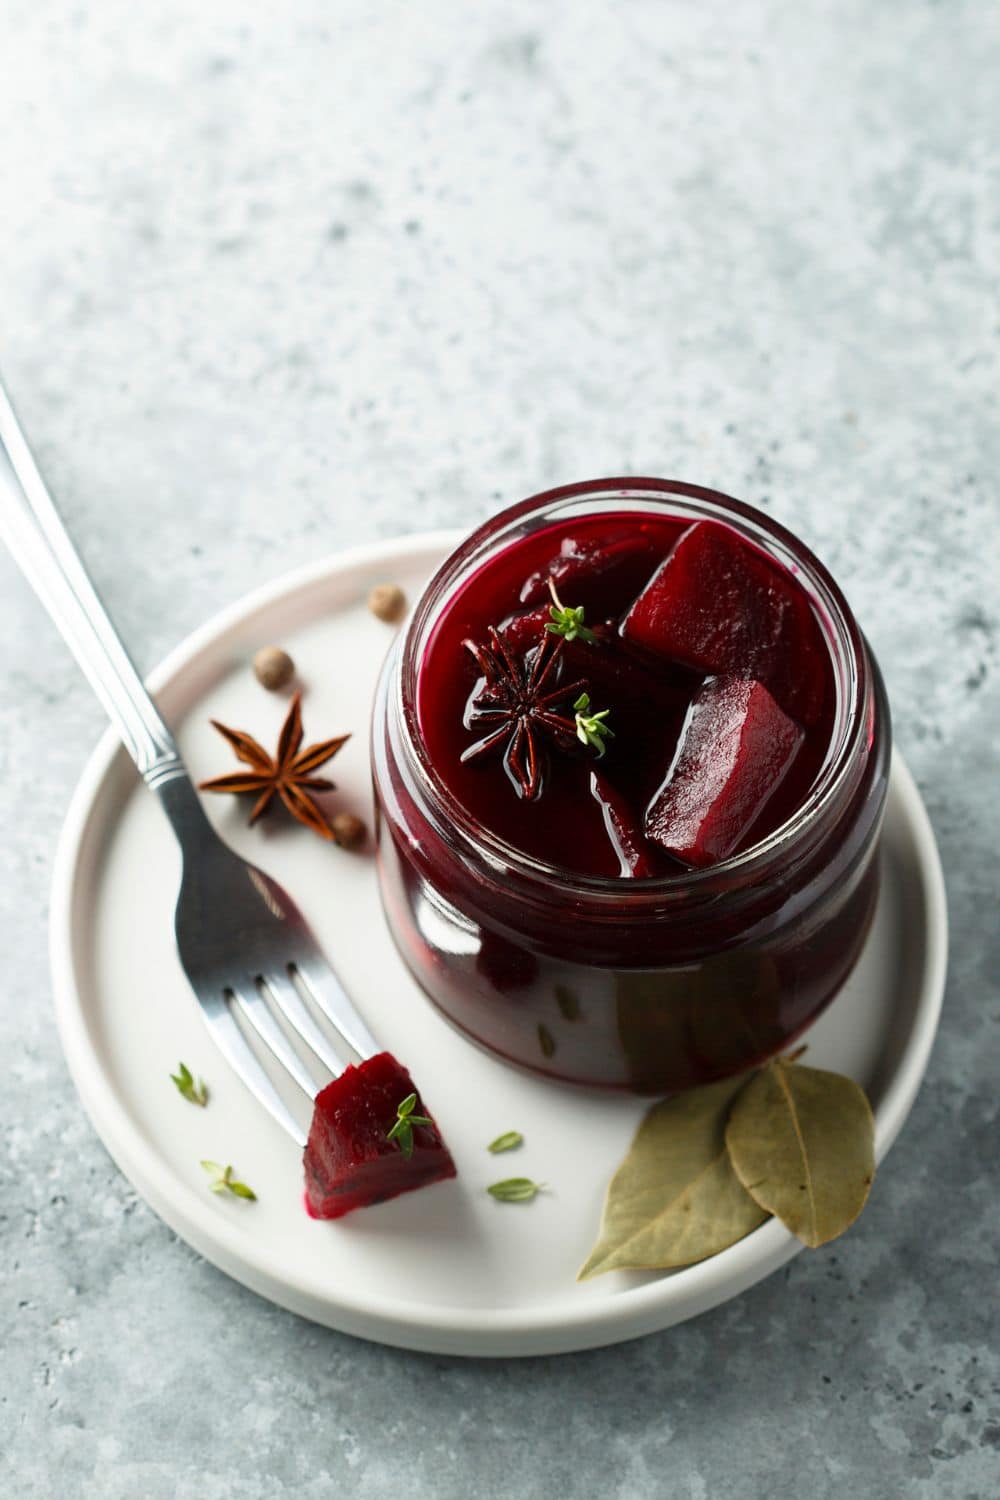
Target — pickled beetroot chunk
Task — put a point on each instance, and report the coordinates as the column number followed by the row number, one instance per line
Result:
column 522, row 632
column 736, row 750
column 586, row 567
column 624, row 831
column 718, row 605
column 348, row 1161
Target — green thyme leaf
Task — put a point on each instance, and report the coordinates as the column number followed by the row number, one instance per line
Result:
column 240, row 1190
column 402, row 1132
column 515, row 1189
column 546, row 1040
column 223, row 1181
column 506, row 1142
column 196, row 1093
column 591, row 728
column 566, row 620
column 569, row 623
column 402, row 1128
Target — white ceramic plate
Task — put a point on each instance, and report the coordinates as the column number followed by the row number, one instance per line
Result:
column 447, row 1269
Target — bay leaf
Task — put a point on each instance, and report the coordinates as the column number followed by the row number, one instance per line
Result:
column 675, row 1199
column 802, row 1143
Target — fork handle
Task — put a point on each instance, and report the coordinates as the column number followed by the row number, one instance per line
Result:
column 32, row 528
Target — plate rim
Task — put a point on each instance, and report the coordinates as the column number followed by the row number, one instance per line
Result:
column 475, row 1331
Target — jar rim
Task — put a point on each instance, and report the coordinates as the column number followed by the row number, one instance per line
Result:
column 449, row 815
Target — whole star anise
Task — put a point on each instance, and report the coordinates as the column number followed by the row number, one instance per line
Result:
column 519, row 699
column 288, row 774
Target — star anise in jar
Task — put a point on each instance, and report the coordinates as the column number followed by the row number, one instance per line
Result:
column 519, row 699
column 287, row 774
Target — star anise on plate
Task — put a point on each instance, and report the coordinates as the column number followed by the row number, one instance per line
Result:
column 519, row 699
column 287, row 774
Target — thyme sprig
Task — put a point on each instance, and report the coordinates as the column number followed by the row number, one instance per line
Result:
column 402, row 1130
column 188, row 1088
column 591, row 728
column 567, row 620
column 223, row 1181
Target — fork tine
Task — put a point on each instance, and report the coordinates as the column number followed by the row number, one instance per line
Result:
column 325, row 989
column 232, row 1043
column 258, row 1014
column 289, row 1002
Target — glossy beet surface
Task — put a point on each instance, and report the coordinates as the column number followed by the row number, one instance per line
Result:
column 674, row 608
column 720, row 606
column 348, row 1161
column 736, row 749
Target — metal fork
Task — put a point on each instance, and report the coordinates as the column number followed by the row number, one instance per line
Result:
column 243, row 943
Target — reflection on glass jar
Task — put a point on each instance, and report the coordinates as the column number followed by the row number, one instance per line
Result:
column 644, row 984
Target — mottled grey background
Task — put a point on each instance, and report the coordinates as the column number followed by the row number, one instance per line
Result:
column 280, row 278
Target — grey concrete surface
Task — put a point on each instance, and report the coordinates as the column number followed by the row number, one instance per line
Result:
column 276, row 279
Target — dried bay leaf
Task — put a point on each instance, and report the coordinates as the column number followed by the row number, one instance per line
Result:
column 675, row 1199
column 802, row 1143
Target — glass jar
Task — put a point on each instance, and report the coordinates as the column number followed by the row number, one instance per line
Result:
column 650, row 985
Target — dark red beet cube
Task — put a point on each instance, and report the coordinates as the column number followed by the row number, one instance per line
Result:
column 585, row 568
column 736, row 749
column 624, row 829
column 522, row 632
column 348, row 1161
column 719, row 605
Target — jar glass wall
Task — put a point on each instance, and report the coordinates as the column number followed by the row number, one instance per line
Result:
column 644, row 984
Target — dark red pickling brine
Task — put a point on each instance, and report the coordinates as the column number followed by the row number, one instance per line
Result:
column 708, row 657
column 349, row 1162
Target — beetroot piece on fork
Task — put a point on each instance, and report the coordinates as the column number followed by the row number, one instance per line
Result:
column 349, row 1160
